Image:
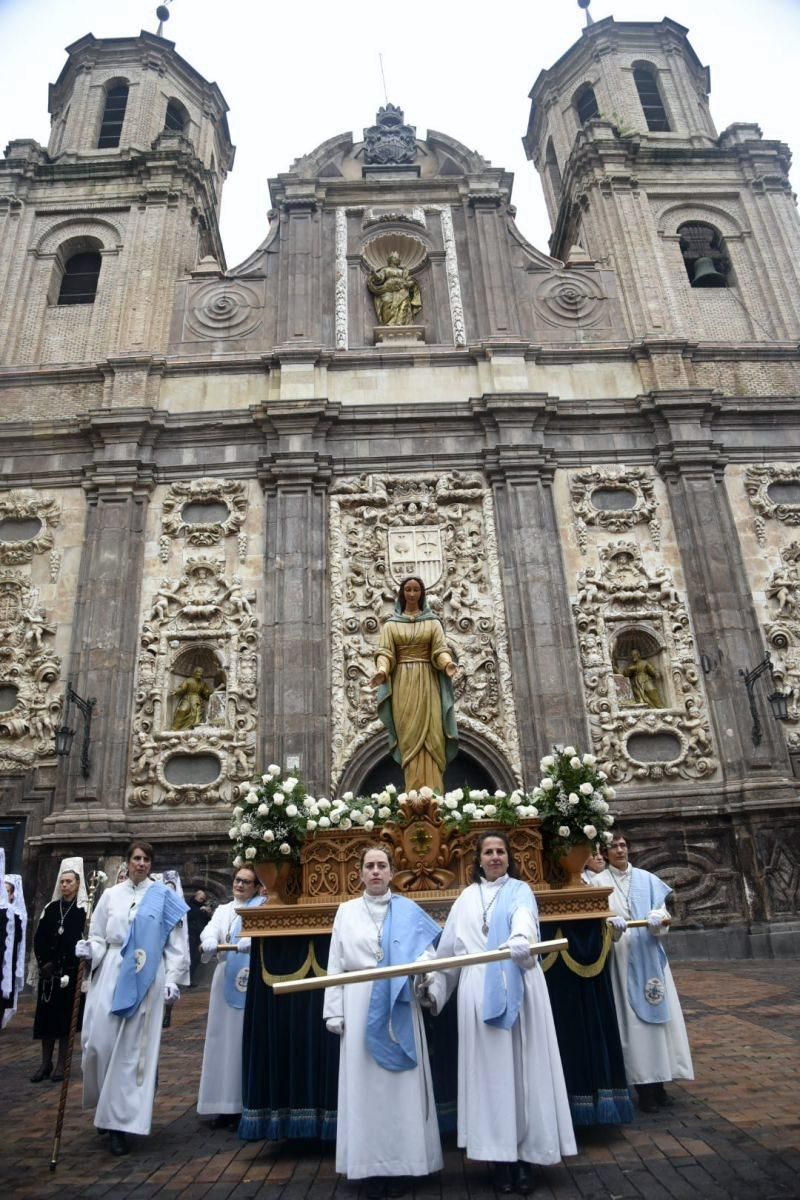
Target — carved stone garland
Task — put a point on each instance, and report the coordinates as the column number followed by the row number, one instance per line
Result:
column 203, row 615
column 29, row 668
column 442, row 528
column 23, row 505
column 635, row 480
column 783, row 632
column 757, row 482
column 621, row 600
column 229, row 492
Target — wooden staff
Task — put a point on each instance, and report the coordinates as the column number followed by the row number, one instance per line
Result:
column 412, row 968
column 94, row 880
column 226, row 946
column 642, row 923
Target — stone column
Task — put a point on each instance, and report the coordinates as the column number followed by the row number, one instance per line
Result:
column 545, row 665
column 727, row 628
column 296, row 683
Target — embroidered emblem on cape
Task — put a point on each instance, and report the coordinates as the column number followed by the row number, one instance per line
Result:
column 654, row 990
column 241, row 979
column 140, row 958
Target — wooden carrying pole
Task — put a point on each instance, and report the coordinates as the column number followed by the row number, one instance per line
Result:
column 641, row 923
column 422, row 967
column 94, row 880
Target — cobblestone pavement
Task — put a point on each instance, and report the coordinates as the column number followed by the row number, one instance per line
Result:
column 733, row 1133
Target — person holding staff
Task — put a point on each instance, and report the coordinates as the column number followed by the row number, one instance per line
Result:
column 137, row 954
column 60, row 927
column 512, row 1101
column 386, row 1125
column 220, row 1093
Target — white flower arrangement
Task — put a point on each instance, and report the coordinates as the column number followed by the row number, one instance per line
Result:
column 461, row 807
column 572, row 800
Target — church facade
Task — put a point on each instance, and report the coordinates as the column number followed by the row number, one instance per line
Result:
column 213, row 480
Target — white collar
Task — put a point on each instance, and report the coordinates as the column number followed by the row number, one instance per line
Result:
column 384, row 899
column 622, row 874
column 493, row 883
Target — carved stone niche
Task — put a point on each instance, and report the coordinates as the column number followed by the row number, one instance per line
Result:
column 440, row 527
column 411, row 255
column 30, row 707
column 203, row 512
column 196, row 698
column 613, row 501
column 774, row 495
column 647, row 712
column 27, row 521
column 782, row 631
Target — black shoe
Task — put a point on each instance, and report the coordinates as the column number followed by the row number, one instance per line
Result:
column 58, row 1074
column 221, row 1121
column 503, row 1179
column 102, row 1132
column 375, row 1187
column 118, row 1144
column 397, row 1185
column 663, row 1098
column 42, row 1073
column 524, row 1179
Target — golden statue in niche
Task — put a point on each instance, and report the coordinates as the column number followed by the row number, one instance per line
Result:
column 193, row 691
column 395, row 293
column 643, row 678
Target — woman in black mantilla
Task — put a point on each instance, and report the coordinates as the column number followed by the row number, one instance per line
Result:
column 60, row 927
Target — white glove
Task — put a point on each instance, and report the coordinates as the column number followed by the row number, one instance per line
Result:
column 655, row 922
column 243, row 945
column 83, row 949
column 618, row 926
column 171, row 993
column 209, row 946
column 335, row 1025
column 520, row 952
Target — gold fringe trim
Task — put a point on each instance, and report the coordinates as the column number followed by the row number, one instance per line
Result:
column 585, row 971
column 310, row 964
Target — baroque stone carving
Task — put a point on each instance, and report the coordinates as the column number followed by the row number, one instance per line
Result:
column 442, row 528
column 394, row 216
column 619, row 609
column 757, row 482
column 200, row 622
column 29, row 671
column 389, row 142
column 340, row 287
column 783, row 633
column 636, row 481
column 453, row 280
column 568, row 299
column 224, row 309
column 228, row 492
column 22, row 505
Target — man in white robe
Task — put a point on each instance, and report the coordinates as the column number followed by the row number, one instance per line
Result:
column 513, row 1108
column 220, row 1093
column 120, row 1053
column 651, row 1026
column 386, row 1121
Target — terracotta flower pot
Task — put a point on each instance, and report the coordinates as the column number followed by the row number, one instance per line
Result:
column 278, row 878
column 573, row 862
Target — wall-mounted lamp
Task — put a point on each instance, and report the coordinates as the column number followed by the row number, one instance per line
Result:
column 778, row 701
column 64, row 735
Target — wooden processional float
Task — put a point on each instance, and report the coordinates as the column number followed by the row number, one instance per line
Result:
column 432, row 866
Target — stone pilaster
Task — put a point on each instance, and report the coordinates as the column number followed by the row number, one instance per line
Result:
column 300, row 276
column 727, row 631
column 497, row 303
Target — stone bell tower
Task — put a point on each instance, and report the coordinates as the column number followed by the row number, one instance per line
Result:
column 96, row 227
column 701, row 229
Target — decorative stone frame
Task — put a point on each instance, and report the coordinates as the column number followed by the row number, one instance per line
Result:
column 28, row 664
column 637, row 480
column 230, row 492
column 23, row 505
column 757, row 482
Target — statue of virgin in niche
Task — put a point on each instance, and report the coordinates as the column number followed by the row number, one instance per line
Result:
column 395, row 293
column 415, row 691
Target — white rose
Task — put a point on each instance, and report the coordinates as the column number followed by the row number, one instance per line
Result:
column 336, row 817
column 608, row 819
column 285, row 848
column 478, row 814
column 532, row 811
column 609, row 793
column 426, row 793
column 573, row 799
column 469, row 807
column 589, row 760
column 250, row 852
column 586, row 789
column 269, row 836
column 324, row 822
column 311, row 825
column 369, row 811
column 570, row 750
column 590, row 832
column 291, row 810
column 490, row 810
column 402, row 797
column 547, row 762
column 251, row 798
column 459, row 793
column 563, row 831
column 278, row 798
column 347, row 796
column 450, row 802
column 290, row 784
column 499, row 794
column 391, row 789
column 369, row 824
column 412, row 795
column 245, row 828
column 602, row 806
column 357, row 817
column 602, row 775
column 266, row 778
column 237, row 812
column 384, row 812
column 383, row 797
column 345, row 823
column 323, row 804
column 575, row 762
column 233, row 833
column 262, row 810
column 237, row 862
column 607, row 837
column 273, row 770
column 455, row 814
column 547, row 784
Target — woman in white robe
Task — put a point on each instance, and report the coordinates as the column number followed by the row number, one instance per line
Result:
column 512, row 1100
column 386, row 1122
column 120, row 1054
column 220, row 1093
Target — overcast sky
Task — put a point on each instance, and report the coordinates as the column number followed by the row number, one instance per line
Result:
column 296, row 74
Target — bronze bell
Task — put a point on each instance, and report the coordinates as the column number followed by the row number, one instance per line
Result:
column 706, row 274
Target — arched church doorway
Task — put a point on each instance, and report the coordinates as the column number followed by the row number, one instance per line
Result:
column 462, row 771
column 476, row 764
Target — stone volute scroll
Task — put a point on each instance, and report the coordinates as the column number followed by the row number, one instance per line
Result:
column 391, row 261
